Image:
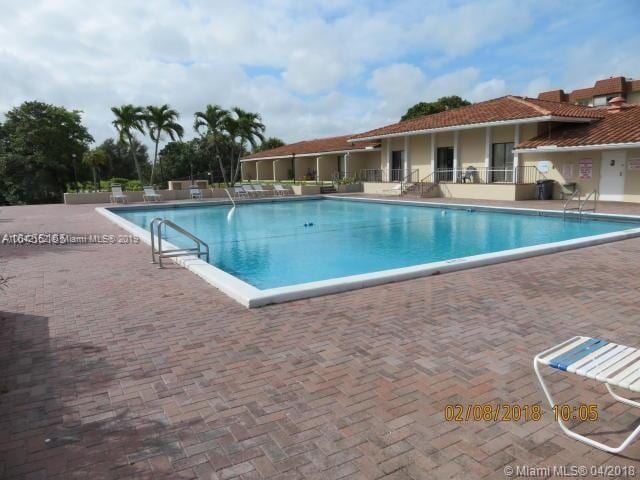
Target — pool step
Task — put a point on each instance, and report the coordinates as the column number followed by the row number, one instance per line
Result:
column 330, row 189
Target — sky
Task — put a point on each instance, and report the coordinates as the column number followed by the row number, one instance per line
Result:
column 311, row 68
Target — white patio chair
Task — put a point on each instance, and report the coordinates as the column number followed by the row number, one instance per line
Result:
column 116, row 194
column 280, row 190
column 195, row 193
column 240, row 192
column 248, row 188
column 609, row 363
column 150, row 194
column 260, row 191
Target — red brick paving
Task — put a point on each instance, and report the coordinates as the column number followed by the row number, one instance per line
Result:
column 111, row 368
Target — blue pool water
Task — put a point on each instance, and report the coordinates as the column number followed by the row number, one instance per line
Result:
column 267, row 244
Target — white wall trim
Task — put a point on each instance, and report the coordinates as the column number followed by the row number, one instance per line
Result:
column 315, row 154
column 497, row 123
column 574, row 148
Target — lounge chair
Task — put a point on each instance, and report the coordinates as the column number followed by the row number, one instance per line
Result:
column 248, row 188
column 261, row 191
column 280, row 191
column 609, row 363
column 116, row 194
column 150, row 194
column 195, row 193
column 395, row 190
column 240, row 192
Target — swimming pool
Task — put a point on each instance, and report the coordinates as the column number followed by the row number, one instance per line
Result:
column 273, row 245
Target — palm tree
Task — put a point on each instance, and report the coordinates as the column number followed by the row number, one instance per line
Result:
column 210, row 126
column 242, row 127
column 95, row 159
column 162, row 120
column 129, row 119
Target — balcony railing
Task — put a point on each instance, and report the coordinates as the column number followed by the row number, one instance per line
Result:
column 385, row 175
column 517, row 175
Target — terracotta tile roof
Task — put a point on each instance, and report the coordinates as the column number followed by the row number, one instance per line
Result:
column 318, row 145
column 619, row 127
column 606, row 86
column 581, row 94
column 499, row 109
column 553, row 95
column 609, row 85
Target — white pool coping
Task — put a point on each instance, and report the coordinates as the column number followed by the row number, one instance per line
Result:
column 252, row 297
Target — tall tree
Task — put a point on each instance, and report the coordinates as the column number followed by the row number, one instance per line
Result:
column 429, row 108
column 38, row 147
column 210, row 125
column 242, row 128
column 268, row 144
column 162, row 120
column 119, row 162
column 95, row 159
column 129, row 120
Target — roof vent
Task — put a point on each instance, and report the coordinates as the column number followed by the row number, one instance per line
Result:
column 616, row 105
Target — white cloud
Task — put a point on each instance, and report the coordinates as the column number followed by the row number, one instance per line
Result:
column 400, row 86
column 328, row 67
column 469, row 26
column 537, row 85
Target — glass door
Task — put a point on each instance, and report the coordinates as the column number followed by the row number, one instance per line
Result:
column 444, row 164
column 396, row 166
column 502, row 162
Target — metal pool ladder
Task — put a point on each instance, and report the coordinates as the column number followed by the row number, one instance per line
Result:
column 566, row 208
column 200, row 249
column 593, row 193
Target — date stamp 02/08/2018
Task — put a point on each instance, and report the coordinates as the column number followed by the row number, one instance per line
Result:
column 487, row 412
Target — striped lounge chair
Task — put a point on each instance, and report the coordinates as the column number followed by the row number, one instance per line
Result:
column 612, row 364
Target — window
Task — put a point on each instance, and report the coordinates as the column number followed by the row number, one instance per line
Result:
column 603, row 100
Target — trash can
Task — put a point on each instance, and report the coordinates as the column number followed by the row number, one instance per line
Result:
column 544, row 189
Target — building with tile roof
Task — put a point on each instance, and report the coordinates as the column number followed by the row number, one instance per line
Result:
column 496, row 149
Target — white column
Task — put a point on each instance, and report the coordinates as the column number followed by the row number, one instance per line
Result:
column 434, row 153
column 257, row 170
column 241, row 171
column 388, row 160
column 317, row 168
column 346, row 165
column 456, row 138
column 487, row 147
column 407, row 157
column 516, row 160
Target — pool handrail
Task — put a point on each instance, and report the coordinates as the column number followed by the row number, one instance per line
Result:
column 176, row 252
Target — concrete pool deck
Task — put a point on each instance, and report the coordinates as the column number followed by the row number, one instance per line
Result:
column 133, row 372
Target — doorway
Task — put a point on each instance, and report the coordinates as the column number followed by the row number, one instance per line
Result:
column 444, row 164
column 396, row 166
column 612, row 172
column 502, row 162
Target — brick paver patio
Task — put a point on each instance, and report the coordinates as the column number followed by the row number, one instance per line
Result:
column 111, row 368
